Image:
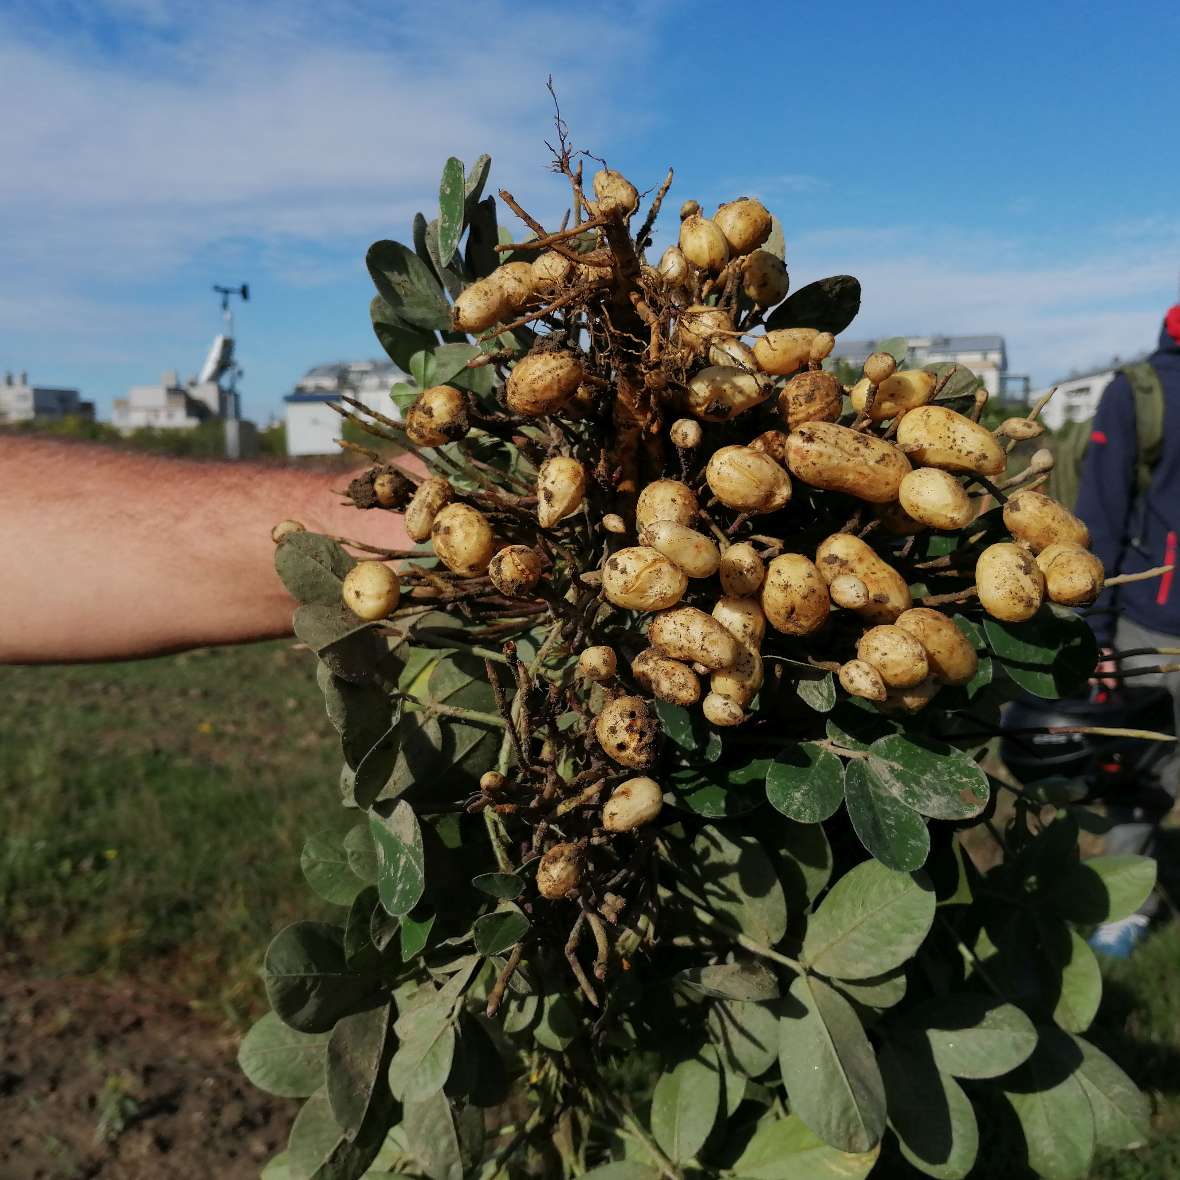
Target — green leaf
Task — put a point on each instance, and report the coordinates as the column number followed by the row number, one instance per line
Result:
column 776, row 244
column 828, row 305
column 881, row 991
column 931, row 778
column 955, row 380
column 684, row 1107
column 361, row 953
column 828, row 1068
column 496, row 932
column 898, row 347
column 450, row 360
column 451, row 209
column 399, row 339
column 1054, row 1112
column 360, row 713
column 680, row 726
column 976, row 1036
column 717, row 792
column 308, row 981
column 361, row 852
column 278, row 1167
column 871, row 921
column 377, row 765
column 321, row 624
column 1103, row 888
column 326, row 869
column 733, row 878
column 745, row 1036
column 805, row 861
column 427, row 1034
column 1122, row 1112
column 559, row 1023
column 1051, row 655
column 504, row 885
column 356, row 1064
column 450, row 272
column 414, row 933
column 407, row 286
column 403, row 394
column 806, row 783
column 401, row 871
column 748, row 979
column 432, row 1138
column 280, row 1060
column 623, row 1170
column 818, row 693
column 482, row 238
column 928, row 1110
column 895, row 834
column 422, row 1062
column 313, row 1135
column 785, row 1149
column 318, row 1149
column 312, row 568
column 1080, row 990
column 477, row 176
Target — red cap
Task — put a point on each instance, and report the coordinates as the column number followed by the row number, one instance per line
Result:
column 1172, row 322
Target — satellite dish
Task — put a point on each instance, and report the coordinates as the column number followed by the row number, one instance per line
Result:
column 221, row 355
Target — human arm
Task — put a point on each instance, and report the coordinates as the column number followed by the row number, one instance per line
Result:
column 110, row 554
column 1106, row 493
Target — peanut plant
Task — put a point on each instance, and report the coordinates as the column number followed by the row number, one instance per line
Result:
column 663, row 733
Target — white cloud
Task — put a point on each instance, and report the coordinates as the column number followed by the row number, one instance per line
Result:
column 151, row 134
column 264, row 126
column 1107, row 300
column 293, row 132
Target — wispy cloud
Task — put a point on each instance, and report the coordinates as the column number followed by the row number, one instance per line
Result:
column 1103, row 298
column 150, row 132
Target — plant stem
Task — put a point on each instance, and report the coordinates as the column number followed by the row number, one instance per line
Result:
column 498, row 837
column 1142, row 576
column 440, row 710
column 750, row 944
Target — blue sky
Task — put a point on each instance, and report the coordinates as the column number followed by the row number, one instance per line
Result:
column 1003, row 167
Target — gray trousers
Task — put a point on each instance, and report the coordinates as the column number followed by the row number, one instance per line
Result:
column 1133, row 830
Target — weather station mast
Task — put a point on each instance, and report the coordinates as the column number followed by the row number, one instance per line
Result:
column 222, row 369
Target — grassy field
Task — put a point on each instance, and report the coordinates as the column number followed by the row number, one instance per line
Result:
column 151, row 817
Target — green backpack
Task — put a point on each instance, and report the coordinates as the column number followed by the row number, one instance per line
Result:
column 1070, row 442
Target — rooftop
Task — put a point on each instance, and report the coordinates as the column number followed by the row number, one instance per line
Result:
column 981, row 343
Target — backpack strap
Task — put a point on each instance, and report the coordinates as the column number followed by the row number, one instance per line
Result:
column 1148, row 392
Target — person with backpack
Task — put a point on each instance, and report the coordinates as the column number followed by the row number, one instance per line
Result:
column 1129, row 497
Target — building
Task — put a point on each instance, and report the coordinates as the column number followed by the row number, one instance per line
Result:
column 1076, row 397
column 985, row 356
column 22, row 402
column 210, row 396
column 169, row 405
column 312, row 424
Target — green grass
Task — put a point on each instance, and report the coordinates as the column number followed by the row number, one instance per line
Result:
column 152, row 814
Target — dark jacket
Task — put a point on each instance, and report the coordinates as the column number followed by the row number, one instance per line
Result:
column 1132, row 533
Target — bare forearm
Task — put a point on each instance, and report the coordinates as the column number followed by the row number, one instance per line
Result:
column 112, row 555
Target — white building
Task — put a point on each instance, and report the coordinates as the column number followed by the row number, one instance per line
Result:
column 169, row 405
column 312, row 424
column 22, row 402
column 985, row 356
column 1077, row 396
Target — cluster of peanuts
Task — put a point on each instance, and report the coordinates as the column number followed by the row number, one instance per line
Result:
column 912, row 463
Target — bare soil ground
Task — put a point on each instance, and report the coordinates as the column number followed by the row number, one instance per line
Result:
column 121, row 1083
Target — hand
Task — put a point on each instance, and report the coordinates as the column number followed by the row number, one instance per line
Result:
column 1104, row 673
